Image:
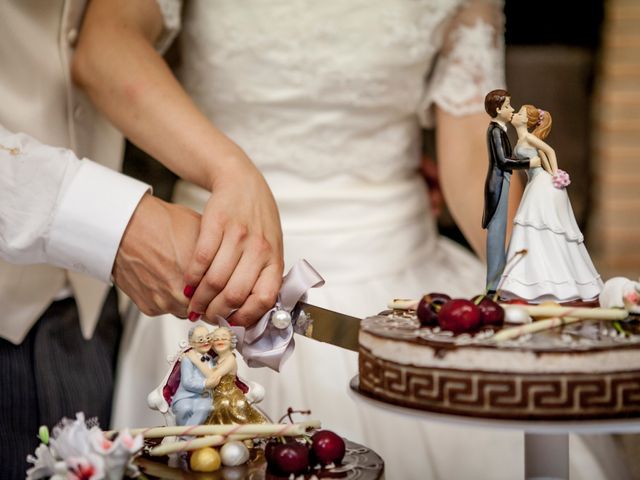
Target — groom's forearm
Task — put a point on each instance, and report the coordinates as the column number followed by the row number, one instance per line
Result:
column 116, row 64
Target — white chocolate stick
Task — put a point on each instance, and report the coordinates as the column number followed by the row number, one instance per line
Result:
column 403, row 304
column 540, row 325
column 538, row 310
column 195, row 444
column 580, row 312
column 254, row 429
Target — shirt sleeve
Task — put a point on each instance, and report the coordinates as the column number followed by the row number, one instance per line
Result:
column 170, row 10
column 59, row 210
column 470, row 62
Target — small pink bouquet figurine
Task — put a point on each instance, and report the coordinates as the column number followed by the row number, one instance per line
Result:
column 561, row 179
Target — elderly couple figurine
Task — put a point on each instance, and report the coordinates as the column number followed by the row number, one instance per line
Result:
column 209, row 391
column 546, row 259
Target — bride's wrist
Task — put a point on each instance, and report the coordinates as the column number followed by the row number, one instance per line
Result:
column 231, row 169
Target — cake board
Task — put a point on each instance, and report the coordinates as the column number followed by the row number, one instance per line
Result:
column 546, row 442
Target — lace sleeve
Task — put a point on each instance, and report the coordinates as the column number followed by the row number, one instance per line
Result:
column 170, row 10
column 470, row 62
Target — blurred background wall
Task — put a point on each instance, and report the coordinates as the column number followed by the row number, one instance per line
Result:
column 615, row 227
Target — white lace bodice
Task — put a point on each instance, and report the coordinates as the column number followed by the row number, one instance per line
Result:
column 338, row 87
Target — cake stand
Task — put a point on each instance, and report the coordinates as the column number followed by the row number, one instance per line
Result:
column 546, row 443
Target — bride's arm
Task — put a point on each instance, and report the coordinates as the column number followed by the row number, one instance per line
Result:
column 224, row 367
column 546, row 149
column 238, row 260
column 461, row 133
column 545, row 162
column 462, row 162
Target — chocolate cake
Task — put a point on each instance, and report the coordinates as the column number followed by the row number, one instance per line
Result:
column 587, row 370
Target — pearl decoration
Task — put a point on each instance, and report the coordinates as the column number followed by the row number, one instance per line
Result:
column 234, row 453
column 281, row 319
column 516, row 315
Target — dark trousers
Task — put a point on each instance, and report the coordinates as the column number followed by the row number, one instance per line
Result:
column 54, row 373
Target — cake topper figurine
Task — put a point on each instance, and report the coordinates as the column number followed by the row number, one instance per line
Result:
column 497, row 104
column 557, row 266
column 202, row 386
column 191, row 403
column 230, row 405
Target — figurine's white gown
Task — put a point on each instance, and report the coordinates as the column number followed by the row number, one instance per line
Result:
column 328, row 98
column 557, row 265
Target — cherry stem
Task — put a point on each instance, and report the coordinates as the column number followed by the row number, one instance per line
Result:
column 291, row 411
column 511, row 261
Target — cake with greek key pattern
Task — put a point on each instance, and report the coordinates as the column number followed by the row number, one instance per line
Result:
column 587, row 370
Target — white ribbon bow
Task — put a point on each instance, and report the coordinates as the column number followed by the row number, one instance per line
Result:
column 265, row 345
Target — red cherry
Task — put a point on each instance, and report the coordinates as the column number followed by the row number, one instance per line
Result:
column 491, row 313
column 327, row 447
column 459, row 315
column 428, row 308
column 287, row 458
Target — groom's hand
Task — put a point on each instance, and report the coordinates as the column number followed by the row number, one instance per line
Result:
column 535, row 162
column 153, row 255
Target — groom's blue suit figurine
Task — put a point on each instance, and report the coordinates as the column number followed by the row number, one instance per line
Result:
column 192, row 401
column 497, row 104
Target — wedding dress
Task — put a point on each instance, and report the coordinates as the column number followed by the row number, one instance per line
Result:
column 328, row 98
column 557, row 265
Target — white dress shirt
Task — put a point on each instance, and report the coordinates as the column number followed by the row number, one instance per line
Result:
column 59, row 210
column 61, row 219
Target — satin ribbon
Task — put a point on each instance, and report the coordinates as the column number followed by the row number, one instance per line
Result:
column 265, row 345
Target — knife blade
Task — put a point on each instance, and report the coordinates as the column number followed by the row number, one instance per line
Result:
column 332, row 327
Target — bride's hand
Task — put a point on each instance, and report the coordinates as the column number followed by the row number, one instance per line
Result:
column 546, row 164
column 238, row 261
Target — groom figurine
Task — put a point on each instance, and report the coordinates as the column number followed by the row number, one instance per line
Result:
column 192, row 401
column 497, row 104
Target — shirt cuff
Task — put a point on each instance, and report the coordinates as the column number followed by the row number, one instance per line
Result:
column 91, row 218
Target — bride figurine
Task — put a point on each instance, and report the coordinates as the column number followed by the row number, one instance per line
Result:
column 547, row 259
column 230, row 406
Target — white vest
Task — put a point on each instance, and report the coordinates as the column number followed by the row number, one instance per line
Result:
column 37, row 97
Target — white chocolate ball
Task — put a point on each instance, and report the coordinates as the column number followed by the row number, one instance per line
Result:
column 516, row 315
column 234, row 453
column 281, row 319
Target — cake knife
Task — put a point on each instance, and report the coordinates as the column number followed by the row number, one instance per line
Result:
column 331, row 327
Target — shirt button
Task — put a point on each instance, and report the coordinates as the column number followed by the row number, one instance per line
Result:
column 72, row 37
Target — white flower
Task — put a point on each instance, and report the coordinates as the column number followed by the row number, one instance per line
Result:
column 89, row 467
column 116, row 454
column 78, row 453
column 44, row 464
column 71, row 438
